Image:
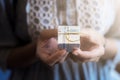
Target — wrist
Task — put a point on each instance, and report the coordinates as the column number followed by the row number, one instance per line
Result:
column 110, row 49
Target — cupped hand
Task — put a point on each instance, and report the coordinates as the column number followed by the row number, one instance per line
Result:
column 48, row 52
column 91, row 46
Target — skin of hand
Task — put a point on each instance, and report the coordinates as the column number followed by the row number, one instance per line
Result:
column 48, row 52
column 91, row 47
column 50, row 33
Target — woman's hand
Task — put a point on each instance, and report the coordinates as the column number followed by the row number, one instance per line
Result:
column 48, row 52
column 91, row 47
column 47, row 34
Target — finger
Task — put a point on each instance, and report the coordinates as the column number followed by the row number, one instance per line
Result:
column 91, row 34
column 53, row 43
column 56, row 57
column 50, row 44
column 76, row 51
column 42, row 43
column 43, row 54
column 87, row 44
column 62, row 59
column 92, row 60
column 88, row 60
column 89, row 54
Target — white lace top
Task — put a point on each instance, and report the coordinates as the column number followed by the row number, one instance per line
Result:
column 48, row 14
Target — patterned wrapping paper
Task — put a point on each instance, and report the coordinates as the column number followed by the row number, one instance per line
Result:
column 69, row 37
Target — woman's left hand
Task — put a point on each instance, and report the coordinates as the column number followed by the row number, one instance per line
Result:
column 91, row 47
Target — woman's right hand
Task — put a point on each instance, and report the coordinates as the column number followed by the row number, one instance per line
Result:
column 50, row 33
column 92, row 46
column 48, row 52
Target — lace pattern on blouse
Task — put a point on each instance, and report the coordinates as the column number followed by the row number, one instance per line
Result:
column 46, row 14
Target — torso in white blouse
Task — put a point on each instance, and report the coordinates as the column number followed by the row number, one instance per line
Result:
column 48, row 14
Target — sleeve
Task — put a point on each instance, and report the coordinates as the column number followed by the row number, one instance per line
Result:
column 7, row 38
column 114, row 32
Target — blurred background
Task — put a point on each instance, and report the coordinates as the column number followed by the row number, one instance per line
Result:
column 4, row 75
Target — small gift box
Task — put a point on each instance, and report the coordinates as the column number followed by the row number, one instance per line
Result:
column 69, row 37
